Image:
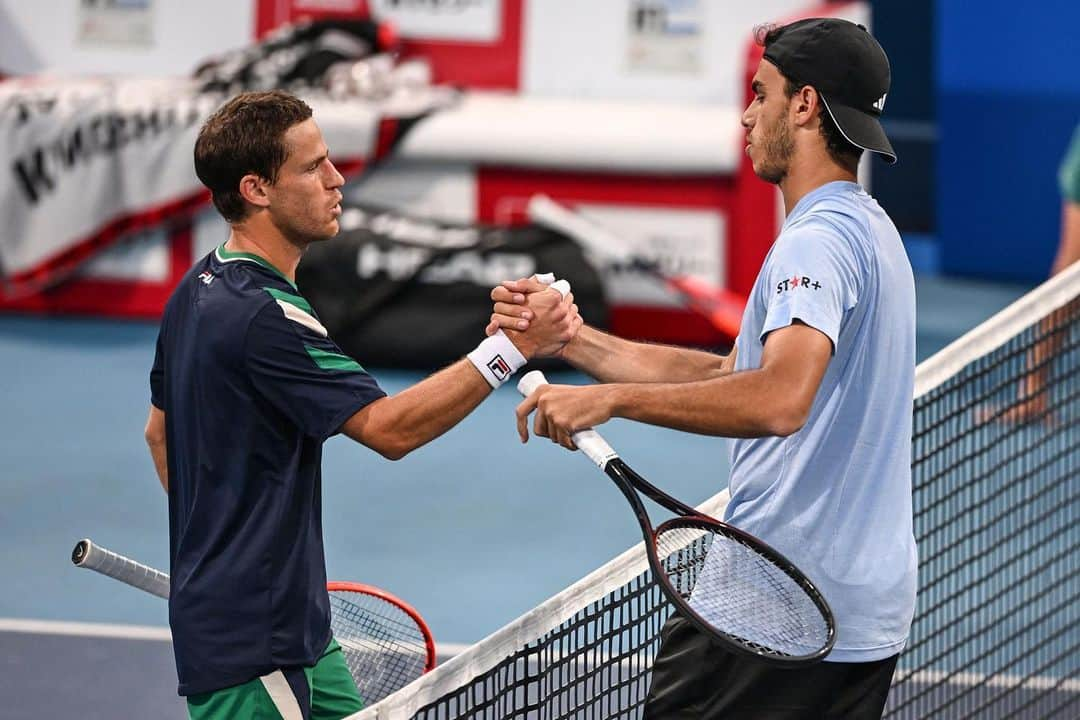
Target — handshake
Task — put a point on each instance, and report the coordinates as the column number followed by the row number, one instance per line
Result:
column 531, row 318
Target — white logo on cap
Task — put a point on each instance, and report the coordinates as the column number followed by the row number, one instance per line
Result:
column 879, row 104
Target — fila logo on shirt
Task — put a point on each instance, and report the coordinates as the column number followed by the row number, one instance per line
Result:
column 207, row 277
column 498, row 367
column 796, row 281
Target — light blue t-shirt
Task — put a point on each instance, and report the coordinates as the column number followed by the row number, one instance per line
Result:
column 835, row 497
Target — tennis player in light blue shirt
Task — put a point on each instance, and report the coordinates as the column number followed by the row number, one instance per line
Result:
column 817, row 392
column 835, row 498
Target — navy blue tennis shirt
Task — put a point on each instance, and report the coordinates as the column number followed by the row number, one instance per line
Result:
column 251, row 387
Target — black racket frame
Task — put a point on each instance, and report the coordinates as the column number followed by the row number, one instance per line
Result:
column 630, row 483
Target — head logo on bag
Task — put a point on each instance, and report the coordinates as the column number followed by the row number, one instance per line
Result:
column 395, row 290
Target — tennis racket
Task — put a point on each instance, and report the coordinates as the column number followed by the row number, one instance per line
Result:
column 722, row 308
column 386, row 643
column 731, row 585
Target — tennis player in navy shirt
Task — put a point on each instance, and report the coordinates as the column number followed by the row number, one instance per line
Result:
column 245, row 388
column 817, row 391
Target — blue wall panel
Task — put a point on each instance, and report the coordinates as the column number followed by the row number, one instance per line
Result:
column 1009, row 46
column 1008, row 98
column 999, row 206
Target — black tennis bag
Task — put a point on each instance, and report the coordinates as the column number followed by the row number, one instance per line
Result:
column 400, row 291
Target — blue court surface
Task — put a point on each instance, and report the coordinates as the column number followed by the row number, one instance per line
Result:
column 473, row 530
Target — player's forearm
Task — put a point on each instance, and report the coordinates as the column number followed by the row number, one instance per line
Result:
column 154, row 434
column 395, row 426
column 1069, row 246
column 750, row 403
column 611, row 359
column 158, row 454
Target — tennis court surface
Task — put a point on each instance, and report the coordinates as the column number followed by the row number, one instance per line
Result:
column 996, row 459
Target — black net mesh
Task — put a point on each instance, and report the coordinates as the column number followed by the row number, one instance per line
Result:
column 996, row 471
column 594, row 665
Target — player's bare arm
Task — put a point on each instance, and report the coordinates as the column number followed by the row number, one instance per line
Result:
column 773, row 400
column 616, row 360
column 155, row 440
column 1069, row 247
column 395, row 426
column 606, row 357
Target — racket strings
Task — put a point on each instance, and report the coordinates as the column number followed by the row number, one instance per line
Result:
column 741, row 593
column 384, row 648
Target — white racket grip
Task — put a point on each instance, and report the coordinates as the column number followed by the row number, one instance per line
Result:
column 588, row 441
column 530, row 381
column 594, row 447
column 94, row 557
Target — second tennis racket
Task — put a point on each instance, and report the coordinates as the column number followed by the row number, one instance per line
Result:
column 731, row 585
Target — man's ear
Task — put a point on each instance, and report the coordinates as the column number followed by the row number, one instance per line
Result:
column 805, row 105
column 253, row 189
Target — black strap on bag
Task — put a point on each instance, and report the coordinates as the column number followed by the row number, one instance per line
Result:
column 400, row 291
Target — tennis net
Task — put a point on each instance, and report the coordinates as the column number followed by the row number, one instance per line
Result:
column 996, row 471
column 996, row 489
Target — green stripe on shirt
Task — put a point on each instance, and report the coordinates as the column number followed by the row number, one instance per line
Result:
column 294, row 300
column 228, row 256
column 332, row 361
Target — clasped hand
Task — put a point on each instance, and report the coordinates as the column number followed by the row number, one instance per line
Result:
column 561, row 410
column 537, row 319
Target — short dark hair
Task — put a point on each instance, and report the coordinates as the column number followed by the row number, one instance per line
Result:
column 245, row 135
column 840, row 149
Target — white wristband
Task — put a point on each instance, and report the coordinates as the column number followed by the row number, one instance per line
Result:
column 497, row 359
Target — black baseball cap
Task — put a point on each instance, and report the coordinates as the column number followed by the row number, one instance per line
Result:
column 848, row 68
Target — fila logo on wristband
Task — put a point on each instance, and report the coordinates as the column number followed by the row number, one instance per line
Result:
column 496, row 357
column 499, row 368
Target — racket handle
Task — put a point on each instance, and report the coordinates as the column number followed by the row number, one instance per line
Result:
column 530, row 381
column 94, row 557
column 588, row 441
column 594, row 238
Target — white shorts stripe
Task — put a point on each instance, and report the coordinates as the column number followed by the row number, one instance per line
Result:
column 282, row 695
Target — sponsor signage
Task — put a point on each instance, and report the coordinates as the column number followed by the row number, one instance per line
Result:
column 470, row 20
